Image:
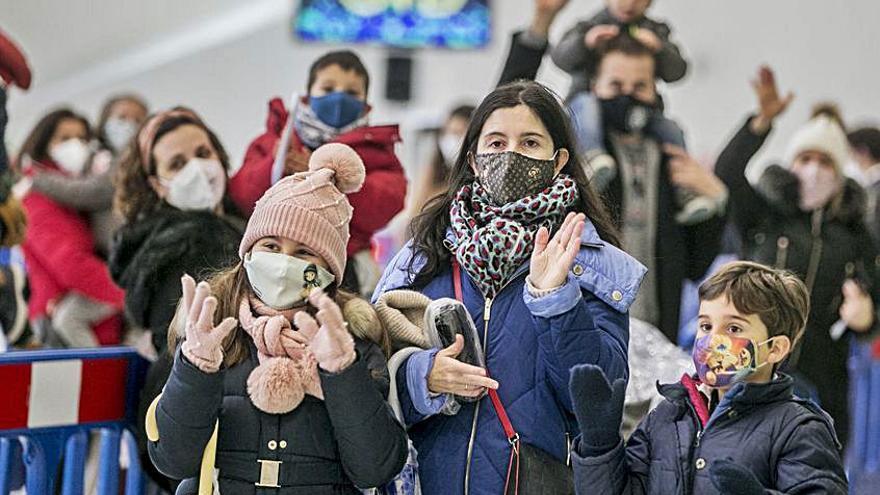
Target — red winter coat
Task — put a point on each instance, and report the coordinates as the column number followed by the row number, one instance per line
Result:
column 381, row 198
column 60, row 255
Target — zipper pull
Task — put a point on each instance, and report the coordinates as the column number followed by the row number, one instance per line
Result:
column 487, row 309
column 699, row 436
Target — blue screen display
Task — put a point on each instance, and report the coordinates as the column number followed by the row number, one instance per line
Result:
column 456, row 24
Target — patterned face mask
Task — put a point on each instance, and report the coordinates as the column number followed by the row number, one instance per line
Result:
column 511, row 176
column 722, row 361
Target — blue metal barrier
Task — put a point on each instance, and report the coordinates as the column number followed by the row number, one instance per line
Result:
column 51, row 401
column 863, row 460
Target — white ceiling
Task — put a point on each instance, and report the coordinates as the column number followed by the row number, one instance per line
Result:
column 62, row 37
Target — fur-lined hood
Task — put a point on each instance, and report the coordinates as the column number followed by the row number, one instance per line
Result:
column 779, row 186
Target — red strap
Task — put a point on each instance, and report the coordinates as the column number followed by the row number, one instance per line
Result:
column 496, row 401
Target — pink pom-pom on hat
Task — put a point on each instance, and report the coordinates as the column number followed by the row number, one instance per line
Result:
column 344, row 161
column 311, row 207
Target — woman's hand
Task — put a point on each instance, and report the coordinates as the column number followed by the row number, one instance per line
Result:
column 331, row 344
column 552, row 258
column 686, row 172
column 857, row 310
column 451, row 376
column 204, row 341
column 770, row 104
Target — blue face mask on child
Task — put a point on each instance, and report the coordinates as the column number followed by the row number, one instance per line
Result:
column 337, row 109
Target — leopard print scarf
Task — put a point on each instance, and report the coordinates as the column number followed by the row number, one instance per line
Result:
column 492, row 242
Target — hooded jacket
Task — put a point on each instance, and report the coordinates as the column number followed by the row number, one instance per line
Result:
column 350, row 439
column 532, row 343
column 824, row 247
column 379, row 200
column 786, row 442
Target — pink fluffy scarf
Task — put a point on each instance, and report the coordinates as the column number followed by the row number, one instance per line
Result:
column 287, row 370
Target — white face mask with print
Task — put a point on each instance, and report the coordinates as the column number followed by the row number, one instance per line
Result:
column 283, row 281
column 199, row 185
column 119, row 132
column 71, row 155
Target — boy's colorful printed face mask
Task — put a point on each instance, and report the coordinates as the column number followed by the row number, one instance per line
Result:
column 722, row 361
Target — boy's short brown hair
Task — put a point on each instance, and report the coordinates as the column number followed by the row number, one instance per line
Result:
column 346, row 59
column 778, row 297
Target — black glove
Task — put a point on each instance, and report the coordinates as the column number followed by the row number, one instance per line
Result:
column 598, row 407
column 731, row 478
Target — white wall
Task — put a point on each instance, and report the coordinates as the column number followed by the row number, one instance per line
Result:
column 821, row 49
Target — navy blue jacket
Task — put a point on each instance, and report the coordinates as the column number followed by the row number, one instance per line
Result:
column 532, row 345
column 786, row 442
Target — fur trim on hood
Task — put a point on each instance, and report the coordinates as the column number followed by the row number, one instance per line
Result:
column 779, row 186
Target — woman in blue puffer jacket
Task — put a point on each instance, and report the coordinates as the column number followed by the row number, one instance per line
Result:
column 540, row 272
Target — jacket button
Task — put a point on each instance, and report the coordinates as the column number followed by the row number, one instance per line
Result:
column 283, row 444
column 578, row 270
column 731, row 414
column 273, row 445
column 616, row 295
column 701, row 463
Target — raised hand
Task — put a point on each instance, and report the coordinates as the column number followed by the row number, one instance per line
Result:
column 204, row 341
column 545, row 13
column 451, row 376
column 857, row 310
column 770, row 104
column 686, row 172
column 598, row 407
column 597, row 34
column 552, row 258
column 648, row 38
column 331, row 344
column 731, row 478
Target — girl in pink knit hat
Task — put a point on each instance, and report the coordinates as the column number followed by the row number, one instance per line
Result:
column 290, row 367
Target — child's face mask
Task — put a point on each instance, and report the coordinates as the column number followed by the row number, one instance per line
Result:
column 283, row 281
column 337, row 109
column 722, row 360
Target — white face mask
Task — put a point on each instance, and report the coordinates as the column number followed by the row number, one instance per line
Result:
column 449, row 145
column 283, row 281
column 71, row 155
column 119, row 132
column 199, row 185
column 818, row 184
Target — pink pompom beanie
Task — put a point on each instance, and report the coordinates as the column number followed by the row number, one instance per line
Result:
column 311, row 207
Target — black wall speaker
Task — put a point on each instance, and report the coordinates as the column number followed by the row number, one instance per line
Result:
column 398, row 78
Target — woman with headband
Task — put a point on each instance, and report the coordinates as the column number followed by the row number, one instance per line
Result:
column 170, row 191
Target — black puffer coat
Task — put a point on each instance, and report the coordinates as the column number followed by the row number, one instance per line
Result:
column 150, row 256
column 824, row 248
column 148, row 259
column 325, row 447
column 786, row 442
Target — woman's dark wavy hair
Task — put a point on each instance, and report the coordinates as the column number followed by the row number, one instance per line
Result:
column 428, row 230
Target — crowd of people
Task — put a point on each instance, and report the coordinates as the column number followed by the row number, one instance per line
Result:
column 556, row 234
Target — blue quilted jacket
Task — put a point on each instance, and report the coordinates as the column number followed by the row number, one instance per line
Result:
column 532, row 345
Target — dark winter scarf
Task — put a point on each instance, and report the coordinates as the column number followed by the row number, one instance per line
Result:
column 313, row 132
column 492, row 242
